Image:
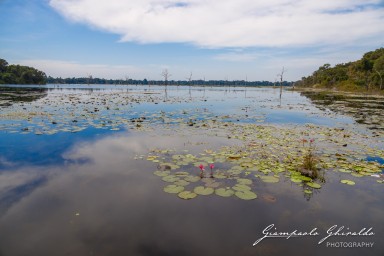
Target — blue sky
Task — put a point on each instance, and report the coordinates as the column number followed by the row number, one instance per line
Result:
column 227, row 39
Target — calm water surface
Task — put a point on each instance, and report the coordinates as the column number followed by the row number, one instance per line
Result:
column 72, row 181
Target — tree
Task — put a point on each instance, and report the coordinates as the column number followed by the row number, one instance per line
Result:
column 166, row 75
column 3, row 65
column 281, row 81
column 189, row 83
column 378, row 67
column 16, row 74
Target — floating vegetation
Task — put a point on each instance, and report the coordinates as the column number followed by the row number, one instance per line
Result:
column 173, row 189
column 313, row 185
column 186, row 195
column 251, row 152
column 348, row 182
column 200, row 190
column 246, row 195
column 224, row 192
column 269, row 154
column 367, row 110
column 269, row 179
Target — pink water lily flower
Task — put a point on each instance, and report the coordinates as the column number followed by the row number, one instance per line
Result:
column 201, row 167
column 211, row 166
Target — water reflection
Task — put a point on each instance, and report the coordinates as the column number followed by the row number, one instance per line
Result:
column 103, row 202
column 366, row 110
column 10, row 95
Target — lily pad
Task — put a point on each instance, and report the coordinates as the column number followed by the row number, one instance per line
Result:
column 186, row 195
column 181, row 183
column 307, row 191
column 219, row 176
column 296, row 179
column 246, row 195
column 244, row 181
column 192, row 178
column 358, row 175
column 241, row 187
column 224, row 192
column 180, row 174
column 173, row 189
column 170, row 178
column 269, row 179
column 200, row 190
column 161, row 173
column 348, row 182
column 313, row 185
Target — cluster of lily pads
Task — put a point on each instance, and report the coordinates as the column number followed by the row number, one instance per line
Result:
column 75, row 112
column 267, row 154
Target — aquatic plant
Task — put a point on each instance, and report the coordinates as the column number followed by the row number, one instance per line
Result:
column 211, row 166
column 202, row 169
column 309, row 165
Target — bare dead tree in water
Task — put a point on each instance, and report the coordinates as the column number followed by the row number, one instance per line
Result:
column 281, row 82
column 89, row 78
column 245, row 85
column 166, row 76
column 189, row 83
column 204, row 85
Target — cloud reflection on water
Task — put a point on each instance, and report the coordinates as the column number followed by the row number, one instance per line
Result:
column 112, row 204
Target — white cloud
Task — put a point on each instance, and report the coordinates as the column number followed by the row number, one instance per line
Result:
column 58, row 68
column 231, row 23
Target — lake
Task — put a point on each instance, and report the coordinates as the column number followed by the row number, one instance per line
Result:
column 154, row 170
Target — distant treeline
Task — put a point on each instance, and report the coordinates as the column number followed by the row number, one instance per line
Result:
column 366, row 73
column 16, row 74
column 91, row 80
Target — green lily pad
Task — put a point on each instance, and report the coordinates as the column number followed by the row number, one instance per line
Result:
column 348, row 182
column 181, row 183
column 313, row 185
column 244, row 181
column 173, row 189
column 186, row 195
column 192, row 178
column 296, row 179
column 180, row 174
column 269, row 179
column 200, row 190
column 170, row 178
column 224, row 192
column 241, row 187
column 301, row 178
column 219, row 176
column 265, row 171
column 246, row 195
column 161, row 173
column 307, row 191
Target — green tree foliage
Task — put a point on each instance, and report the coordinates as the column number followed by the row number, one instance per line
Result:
column 16, row 74
column 200, row 82
column 366, row 73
